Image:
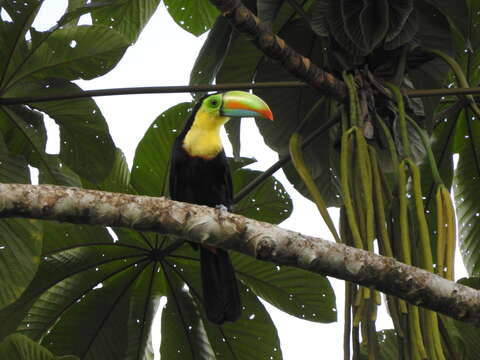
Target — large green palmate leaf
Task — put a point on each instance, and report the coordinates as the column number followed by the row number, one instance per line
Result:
column 252, row 336
column 128, row 17
column 103, row 334
column 25, row 134
column 81, row 52
column 262, row 203
column 194, row 16
column 88, row 281
column 300, row 293
column 20, row 347
column 83, row 129
column 291, row 106
column 152, row 157
column 20, row 239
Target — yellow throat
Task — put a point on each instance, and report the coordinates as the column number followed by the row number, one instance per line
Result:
column 203, row 138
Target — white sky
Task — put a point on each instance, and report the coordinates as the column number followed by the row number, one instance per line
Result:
column 164, row 55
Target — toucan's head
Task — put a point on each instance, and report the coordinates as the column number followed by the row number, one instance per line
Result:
column 234, row 104
column 202, row 131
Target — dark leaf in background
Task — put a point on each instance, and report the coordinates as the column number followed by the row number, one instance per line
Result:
column 152, row 157
column 268, row 9
column 387, row 345
column 290, row 107
column 320, row 18
column 433, row 32
column 20, row 347
column 365, row 23
column 211, row 55
column 194, row 16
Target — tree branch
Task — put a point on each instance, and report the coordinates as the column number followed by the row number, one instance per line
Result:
column 261, row 240
column 151, row 90
column 275, row 47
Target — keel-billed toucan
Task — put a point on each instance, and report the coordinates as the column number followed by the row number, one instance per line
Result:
column 199, row 174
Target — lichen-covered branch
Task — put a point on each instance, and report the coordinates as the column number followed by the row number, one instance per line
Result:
column 258, row 239
column 275, row 47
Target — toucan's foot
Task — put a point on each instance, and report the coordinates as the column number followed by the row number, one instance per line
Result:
column 221, row 208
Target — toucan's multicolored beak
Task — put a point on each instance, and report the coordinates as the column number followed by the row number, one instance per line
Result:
column 243, row 104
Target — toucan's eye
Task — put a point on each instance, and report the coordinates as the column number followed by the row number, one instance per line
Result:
column 214, row 102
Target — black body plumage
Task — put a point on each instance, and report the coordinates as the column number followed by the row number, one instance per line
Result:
column 207, row 182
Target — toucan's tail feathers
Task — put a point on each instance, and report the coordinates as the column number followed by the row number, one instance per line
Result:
column 220, row 290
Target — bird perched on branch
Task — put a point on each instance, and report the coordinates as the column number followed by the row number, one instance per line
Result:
column 199, row 174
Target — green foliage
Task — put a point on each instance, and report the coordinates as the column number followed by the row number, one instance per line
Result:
column 20, row 347
column 92, row 292
column 194, row 16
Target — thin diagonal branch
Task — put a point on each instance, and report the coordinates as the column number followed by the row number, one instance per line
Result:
column 258, row 239
column 275, row 47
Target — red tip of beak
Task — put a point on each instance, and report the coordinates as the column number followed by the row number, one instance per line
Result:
column 267, row 114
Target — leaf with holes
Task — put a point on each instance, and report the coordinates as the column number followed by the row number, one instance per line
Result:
column 300, row 293
column 80, row 52
column 152, row 157
column 194, row 16
column 83, row 129
column 75, row 259
column 127, row 17
column 267, row 202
